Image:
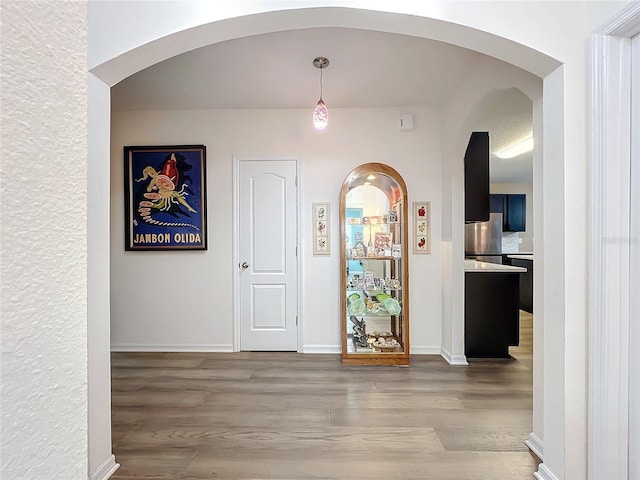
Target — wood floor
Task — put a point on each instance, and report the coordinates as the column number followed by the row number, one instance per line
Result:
column 291, row 416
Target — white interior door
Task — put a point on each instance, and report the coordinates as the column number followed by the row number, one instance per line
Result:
column 268, row 273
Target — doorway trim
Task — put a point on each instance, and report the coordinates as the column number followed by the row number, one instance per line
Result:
column 609, row 247
column 168, row 42
column 235, row 267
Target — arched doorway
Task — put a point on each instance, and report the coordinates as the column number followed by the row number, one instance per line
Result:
column 142, row 51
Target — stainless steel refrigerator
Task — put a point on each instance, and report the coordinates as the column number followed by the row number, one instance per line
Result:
column 483, row 240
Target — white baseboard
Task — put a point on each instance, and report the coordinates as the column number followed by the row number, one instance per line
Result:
column 544, row 473
column 333, row 349
column 535, row 445
column 132, row 347
column 453, row 359
column 321, row 349
column 108, row 468
column 426, row 350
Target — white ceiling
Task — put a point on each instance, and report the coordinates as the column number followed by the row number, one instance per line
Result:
column 367, row 69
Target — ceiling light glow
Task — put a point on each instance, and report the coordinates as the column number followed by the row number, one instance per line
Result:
column 523, row 146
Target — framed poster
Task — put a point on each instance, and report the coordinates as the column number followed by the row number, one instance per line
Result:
column 422, row 227
column 320, row 213
column 165, row 197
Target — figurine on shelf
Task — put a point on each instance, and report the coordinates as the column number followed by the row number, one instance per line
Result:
column 356, row 322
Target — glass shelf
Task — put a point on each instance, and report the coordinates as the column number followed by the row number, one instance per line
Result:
column 374, row 258
column 372, row 292
column 374, row 314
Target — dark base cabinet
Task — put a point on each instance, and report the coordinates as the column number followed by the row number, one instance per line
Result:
column 491, row 314
column 526, row 283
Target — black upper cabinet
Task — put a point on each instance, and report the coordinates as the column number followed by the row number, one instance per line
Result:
column 513, row 208
column 516, row 213
column 476, row 178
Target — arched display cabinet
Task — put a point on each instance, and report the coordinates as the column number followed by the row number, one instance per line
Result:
column 374, row 267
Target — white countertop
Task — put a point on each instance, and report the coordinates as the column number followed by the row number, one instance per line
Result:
column 484, row 267
column 522, row 256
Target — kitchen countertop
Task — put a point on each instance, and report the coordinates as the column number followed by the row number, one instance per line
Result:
column 484, row 267
column 522, row 256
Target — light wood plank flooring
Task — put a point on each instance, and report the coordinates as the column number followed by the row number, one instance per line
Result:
column 289, row 416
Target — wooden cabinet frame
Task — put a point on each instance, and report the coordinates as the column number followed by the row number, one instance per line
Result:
column 394, row 188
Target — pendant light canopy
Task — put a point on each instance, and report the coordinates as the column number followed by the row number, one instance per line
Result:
column 320, row 113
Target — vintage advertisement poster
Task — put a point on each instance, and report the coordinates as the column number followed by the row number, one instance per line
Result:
column 165, row 198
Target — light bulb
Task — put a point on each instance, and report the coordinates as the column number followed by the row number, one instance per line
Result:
column 320, row 115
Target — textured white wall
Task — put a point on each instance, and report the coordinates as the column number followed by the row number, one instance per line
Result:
column 141, row 280
column 44, row 248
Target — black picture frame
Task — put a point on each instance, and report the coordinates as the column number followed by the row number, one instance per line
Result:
column 165, row 197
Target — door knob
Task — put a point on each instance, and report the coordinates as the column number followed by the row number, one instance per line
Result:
column 245, row 265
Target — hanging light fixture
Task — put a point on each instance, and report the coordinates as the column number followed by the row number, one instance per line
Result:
column 320, row 114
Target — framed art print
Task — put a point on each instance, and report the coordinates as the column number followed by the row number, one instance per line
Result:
column 421, row 227
column 165, row 197
column 320, row 213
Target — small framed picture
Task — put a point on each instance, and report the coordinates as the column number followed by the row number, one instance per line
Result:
column 382, row 240
column 421, row 238
column 321, row 245
column 396, row 251
column 320, row 214
column 321, row 211
column 369, row 280
column 321, row 228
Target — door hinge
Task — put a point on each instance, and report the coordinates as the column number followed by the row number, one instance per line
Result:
column 296, row 180
column 296, row 320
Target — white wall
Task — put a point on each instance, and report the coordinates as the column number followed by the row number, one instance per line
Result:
column 183, row 300
column 44, row 244
column 527, row 188
column 101, row 460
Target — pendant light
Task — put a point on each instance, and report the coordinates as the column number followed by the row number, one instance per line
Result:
column 320, row 114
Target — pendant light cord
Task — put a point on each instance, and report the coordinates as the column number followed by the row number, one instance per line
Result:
column 321, row 68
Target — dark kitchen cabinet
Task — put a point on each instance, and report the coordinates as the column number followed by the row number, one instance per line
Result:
column 491, row 316
column 513, row 207
column 476, row 178
column 498, row 204
column 526, row 283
